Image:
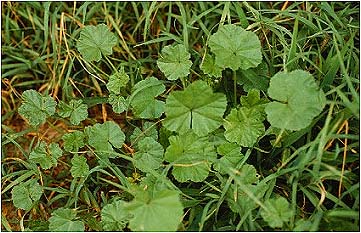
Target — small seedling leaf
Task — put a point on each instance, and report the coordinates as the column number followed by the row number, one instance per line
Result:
column 119, row 104
column 36, row 108
column 46, row 156
column 117, row 81
column 96, row 41
column 76, row 110
column 196, row 107
column 235, row 48
column 231, row 156
column 174, row 61
column 73, row 141
column 79, row 167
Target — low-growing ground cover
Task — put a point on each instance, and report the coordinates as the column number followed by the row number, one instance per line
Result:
column 180, row 116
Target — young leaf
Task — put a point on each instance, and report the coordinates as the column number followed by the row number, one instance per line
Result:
column 73, row 141
column 253, row 99
column 119, row 104
column 117, row 81
column 46, row 157
column 24, row 195
column 298, row 100
column 210, row 67
column 62, row 219
column 149, row 155
column 235, row 48
column 231, row 153
column 191, row 156
column 277, row 213
column 76, row 110
column 143, row 98
column 79, row 167
column 244, row 126
column 174, row 61
column 36, row 108
column 103, row 137
column 115, row 216
column 96, row 41
column 196, row 107
column 162, row 212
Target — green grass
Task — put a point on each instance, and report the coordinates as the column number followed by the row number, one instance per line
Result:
column 316, row 168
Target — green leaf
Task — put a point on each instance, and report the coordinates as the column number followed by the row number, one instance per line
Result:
column 115, row 216
column 196, row 107
column 174, row 61
column 149, row 130
column 143, row 98
column 79, row 167
column 240, row 202
column 119, row 104
column 191, row 156
column 253, row 99
column 36, row 108
column 96, row 41
column 24, row 195
column 103, row 137
column 46, row 157
column 76, row 110
column 162, row 212
column 231, row 153
column 62, row 219
column 235, row 48
column 117, row 81
column 244, row 126
column 278, row 212
column 298, row 100
column 254, row 78
column 73, row 141
column 210, row 67
column 149, row 155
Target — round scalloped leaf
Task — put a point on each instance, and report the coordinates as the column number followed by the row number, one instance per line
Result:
column 190, row 156
column 96, row 41
column 196, row 107
column 46, row 157
column 76, row 110
column 63, row 220
column 143, row 99
column 298, row 100
column 235, row 48
column 35, row 107
column 162, row 212
column 244, row 126
column 103, row 137
column 24, row 195
column 114, row 216
column 174, row 61
column 149, row 155
column 73, row 141
column 79, row 166
column 117, row 81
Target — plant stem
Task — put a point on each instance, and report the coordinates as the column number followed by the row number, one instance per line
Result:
column 235, row 88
